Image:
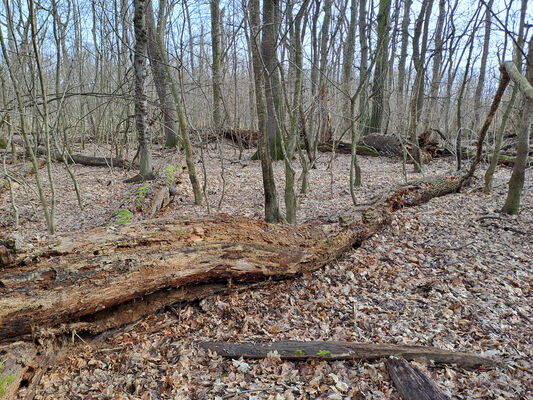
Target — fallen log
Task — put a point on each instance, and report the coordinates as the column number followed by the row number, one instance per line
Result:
column 412, row 383
column 346, row 148
column 19, row 361
column 97, row 161
column 81, row 159
column 334, row 351
column 81, row 277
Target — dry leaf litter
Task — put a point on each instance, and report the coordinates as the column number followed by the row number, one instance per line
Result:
column 453, row 273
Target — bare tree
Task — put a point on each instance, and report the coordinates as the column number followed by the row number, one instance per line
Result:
column 141, row 113
column 483, row 64
column 161, row 83
column 380, row 69
column 417, row 98
column 215, row 50
column 272, row 212
column 516, row 182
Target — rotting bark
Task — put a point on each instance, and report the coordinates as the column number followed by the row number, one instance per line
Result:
column 80, row 274
column 412, row 383
column 332, row 351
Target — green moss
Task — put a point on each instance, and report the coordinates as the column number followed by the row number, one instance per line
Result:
column 3, row 143
column 123, row 216
column 299, row 353
column 5, row 380
column 367, row 149
column 323, row 353
column 171, row 173
column 142, row 191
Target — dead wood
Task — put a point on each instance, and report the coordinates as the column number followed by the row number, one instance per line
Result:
column 412, row 383
column 247, row 138
column 332, row 351
column 81, row 159
column 81, row 274
column 161, row 199
column 20, row 361
column 97, row 161
column 346, row 148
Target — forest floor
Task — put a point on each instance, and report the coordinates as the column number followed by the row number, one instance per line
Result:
column 453, row 273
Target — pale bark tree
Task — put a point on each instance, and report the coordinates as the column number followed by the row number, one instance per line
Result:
column 458, row 140
column 141, row 112
column 516, row 182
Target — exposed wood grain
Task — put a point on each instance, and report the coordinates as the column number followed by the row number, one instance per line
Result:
column 412, row 383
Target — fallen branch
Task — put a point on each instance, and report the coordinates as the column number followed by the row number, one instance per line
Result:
column 412, row 383
column 333, row 351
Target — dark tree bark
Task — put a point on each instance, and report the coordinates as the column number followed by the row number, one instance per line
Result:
column 215, row 50
column 272, row 212
column 162, row 86
column 269, row 42
column 381, row 68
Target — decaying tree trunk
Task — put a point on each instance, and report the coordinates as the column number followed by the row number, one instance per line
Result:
column 82, row 277
column 332, row 351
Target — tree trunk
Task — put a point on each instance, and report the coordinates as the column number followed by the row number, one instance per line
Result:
column 405, row 41
column 516, row 183
column 162, row 86
column 436, row 67
column 483, row 65
column 325, row 131
column 381, row 68
column 347, row 68
column 187, row 146
column 269, row 43
column 141, row 113
column 364, row 70
column 272, row 212
column 417, row 100
column 92, row 277
column 217, row 80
